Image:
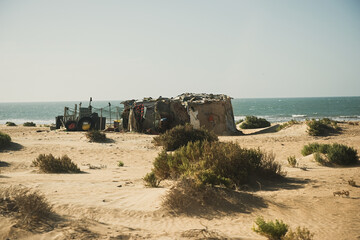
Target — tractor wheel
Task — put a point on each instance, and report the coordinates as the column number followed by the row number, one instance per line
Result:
column 71, row 125
column 85, row 124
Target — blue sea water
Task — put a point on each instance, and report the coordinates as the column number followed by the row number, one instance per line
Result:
column 272, row 109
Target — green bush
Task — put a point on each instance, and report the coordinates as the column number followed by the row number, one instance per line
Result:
column 287, row 124
column 315, row 147
column 335, row 153
column 29, row 124
column 30, row 208
column 50, row 164
column 321, row 127
column 272, row 230
column 10, row 124
column 5, row 140
column 342, row 155
column 216, row 163
column 251, row 122
column 120, row 163
column 181, row 135
column 292, row 161
column 96, row 136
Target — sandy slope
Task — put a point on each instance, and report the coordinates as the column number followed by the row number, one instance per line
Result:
column 112, row 203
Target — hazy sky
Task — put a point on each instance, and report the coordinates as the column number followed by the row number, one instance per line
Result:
column 113, row 50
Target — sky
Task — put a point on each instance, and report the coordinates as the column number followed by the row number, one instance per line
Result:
column 114, row 50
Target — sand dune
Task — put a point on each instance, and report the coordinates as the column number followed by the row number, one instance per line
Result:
column 111, row 202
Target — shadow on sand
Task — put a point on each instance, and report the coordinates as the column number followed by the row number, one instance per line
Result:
column 12, row 147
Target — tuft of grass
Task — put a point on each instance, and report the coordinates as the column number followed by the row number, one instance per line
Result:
column 180, row 135
column 322, row 127
column 96, row 136
column 272, row 230
column 287, row 124
column 334, row 153
column 10, row 124
column 151, row 180
column 28, row 207
column 120, row 163
column 5, row 140
column 29, row 124
column 50, row 164
column 216, row 163
column 292, row 161
column 251, row 122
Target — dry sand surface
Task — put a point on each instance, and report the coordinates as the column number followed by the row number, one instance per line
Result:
column 111, row 202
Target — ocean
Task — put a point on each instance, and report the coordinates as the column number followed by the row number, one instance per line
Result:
column 272, row 109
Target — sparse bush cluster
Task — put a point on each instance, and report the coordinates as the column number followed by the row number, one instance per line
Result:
column 30, row 208
column 29, row 124
column 328, row 154
column 50, row 164
column 96, row 136
column 216, row 163
column 278, row 230
column 251, row 122
column 10, row 124
column 180, row 135
column 5, row 140
column 322, row 127
column 287, row 124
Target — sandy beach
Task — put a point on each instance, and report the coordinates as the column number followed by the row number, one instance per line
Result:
column 112, row 202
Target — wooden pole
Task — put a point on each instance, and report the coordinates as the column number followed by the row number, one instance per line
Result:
column 100, row 119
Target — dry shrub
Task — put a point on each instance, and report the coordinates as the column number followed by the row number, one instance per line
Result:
column 202, row 234
column 151, row 180
column 180, row 135
column 96, row 136
column 28, row 207
column 50, row 164
column 299, row 234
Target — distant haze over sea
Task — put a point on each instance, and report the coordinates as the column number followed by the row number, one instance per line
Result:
column 273, row 109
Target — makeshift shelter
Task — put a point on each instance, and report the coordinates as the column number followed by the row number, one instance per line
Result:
column 213, row 112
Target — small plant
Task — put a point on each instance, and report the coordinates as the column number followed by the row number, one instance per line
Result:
column 5, row 140
column 180, row 135
column 251, row 122
column 151, row 180
column 272, row 230
column 292, row 161
column 299, row 234
column 120, row 163
column 10, row 124
column 96, row 136
column 29, row 207
column 50, row 164
column 29, row 124
column 287, row 124
column 352, row 183
column 322, row 127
